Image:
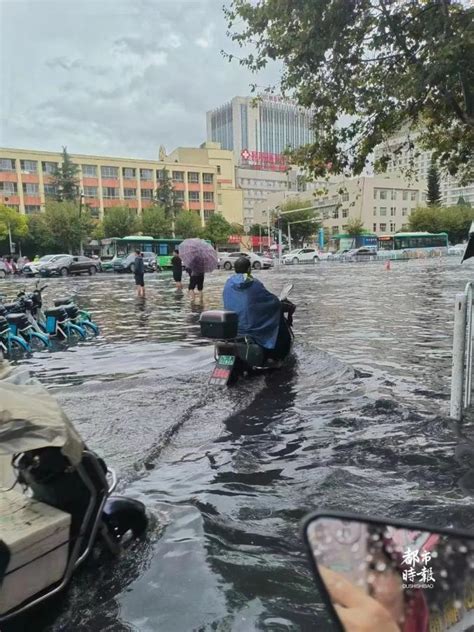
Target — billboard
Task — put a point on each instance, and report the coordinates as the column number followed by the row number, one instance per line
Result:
column 263, row 160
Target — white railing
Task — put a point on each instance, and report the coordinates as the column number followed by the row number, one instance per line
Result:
column 461, row 377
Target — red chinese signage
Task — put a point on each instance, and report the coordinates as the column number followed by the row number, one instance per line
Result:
column 234, row 239
column 257, row 242
column 263, row 160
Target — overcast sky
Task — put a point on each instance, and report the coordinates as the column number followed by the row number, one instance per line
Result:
column 114, row 77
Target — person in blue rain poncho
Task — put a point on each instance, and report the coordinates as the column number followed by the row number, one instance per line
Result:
column 260, row 312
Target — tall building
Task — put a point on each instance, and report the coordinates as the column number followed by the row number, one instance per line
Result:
column 382, row 203
column 258, row 130
column 402, row 157
column 203, row 179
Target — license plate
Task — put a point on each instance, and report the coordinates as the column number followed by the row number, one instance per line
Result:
column 222, row 371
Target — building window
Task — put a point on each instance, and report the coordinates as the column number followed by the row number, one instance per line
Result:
column 95, row 211
column 383, row 227
column 334, row 230
column 393, row 195
column 375, row 194
column 146, row 174
column 90, row 192
column 404, row 211
column 193, row 176
column 30, row 189
column 383, row 194
column 110, row 192
column 345, row 212
column 179, row 196
column 424, row 197
column 218, row 170
column 29, row 166
column 109, row 172
column 49, row 167
column 208, row 214
column 207, row 178
column 413, row 196
column 50, row 190
column 193, row 196
column 129, row 194
column 8, row 187
column 90, row 171
column 147, row 194
column 375, row 210
column 14, row 207
column 392, row 227
column 383, row 211
column 7, row 164
column 32, row 208
column 345, row 197
column 375, row 228
column 393, row 210
column 178, row 176
column 129, row 173
column 335, row 214
column 208, row 196
column 405, row 195
column 161, row 174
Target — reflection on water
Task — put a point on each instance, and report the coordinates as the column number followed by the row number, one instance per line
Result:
column 356, row 422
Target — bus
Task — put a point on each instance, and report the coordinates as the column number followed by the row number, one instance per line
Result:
column 414, row 244
column 163, row 248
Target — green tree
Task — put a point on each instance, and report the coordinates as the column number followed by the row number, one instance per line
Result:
column 257, row 229
column 188, row 224
column 454, row 220
column 217, row 229
column 154, row 222
column 11, row 221
column 367, row 69
column 39, row 240
column 355, row 228
column 462, row 202
column 120, row 221
column 165, row 196
column 303, row 224
column 65, row 179
column 65, row 226
column 434, row 191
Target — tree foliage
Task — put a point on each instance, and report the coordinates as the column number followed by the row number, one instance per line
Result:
column 166, row 196
column 355, row 227
column 65, row 179
column 155, row 223
column 217, row 229
column 368, row 68
column 188, row 224
column 434, row 191
column 120, row 221
column 11, row 219
column 65, row 227
column 454, row 220
column 307, row 225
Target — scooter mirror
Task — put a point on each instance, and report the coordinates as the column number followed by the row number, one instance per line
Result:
column 379, row 575
column 286, row 291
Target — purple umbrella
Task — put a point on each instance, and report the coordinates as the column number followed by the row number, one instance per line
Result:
column 198, row 256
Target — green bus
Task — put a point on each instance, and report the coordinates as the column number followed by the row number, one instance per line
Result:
column 163, row 248
column 429, row 243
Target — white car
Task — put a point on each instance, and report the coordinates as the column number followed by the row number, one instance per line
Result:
column 458, row 249
column 32, row 268
column 302, row 255
column 227, row 260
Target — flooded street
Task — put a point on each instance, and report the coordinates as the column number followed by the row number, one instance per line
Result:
column 357, row 421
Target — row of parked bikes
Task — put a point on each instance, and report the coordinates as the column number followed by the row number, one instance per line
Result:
column 25, row 327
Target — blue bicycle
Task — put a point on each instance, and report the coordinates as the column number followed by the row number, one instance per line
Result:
column 11, row 345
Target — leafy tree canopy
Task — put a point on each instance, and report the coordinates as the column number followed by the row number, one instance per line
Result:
column 303, row 224
column 155, row 223
column 368, row 68
column 66, row 179
column 166, row 196
column 217, row 229
column 188, row 224
column 18, row 224
column 454, row 220
column 65, row 226
column 120, row 221
column 355, row 227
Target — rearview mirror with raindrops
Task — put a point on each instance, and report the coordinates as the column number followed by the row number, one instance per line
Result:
column 391, row 576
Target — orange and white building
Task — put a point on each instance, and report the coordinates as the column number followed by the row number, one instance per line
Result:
column 203, row 179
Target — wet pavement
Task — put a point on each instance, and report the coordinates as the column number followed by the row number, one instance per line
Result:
column 357, row 421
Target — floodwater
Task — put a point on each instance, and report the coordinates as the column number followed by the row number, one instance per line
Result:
column 357, row 421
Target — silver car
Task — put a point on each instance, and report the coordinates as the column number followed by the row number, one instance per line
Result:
column 227, row 260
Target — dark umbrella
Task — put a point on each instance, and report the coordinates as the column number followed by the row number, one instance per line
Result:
column 198, row 256
column 469, row 252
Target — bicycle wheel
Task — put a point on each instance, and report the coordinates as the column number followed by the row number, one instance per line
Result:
column 17, row 347
column 38, row 341
column 74, row 332
column 90, row 328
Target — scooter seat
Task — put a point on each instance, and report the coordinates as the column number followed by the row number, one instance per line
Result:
column 56, row 312
column 11, row 307
column 18, row 319
column 71, row 310
column 62, row 301
column 4, row 328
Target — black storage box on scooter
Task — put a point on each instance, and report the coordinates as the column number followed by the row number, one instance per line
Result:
column 219, row 324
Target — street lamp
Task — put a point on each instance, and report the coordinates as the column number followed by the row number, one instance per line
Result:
column 81, row 199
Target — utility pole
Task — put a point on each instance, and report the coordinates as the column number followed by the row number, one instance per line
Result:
column 81, row 196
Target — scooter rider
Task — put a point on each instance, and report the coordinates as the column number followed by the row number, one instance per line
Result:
column 260, row 312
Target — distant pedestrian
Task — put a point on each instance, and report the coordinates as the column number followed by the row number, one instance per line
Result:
column 177, row 265
column 196, row 282
column 139, row 270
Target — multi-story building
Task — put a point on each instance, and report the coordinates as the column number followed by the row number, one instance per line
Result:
column 258, row 130
column 205, row 186
column 382, row 203
column 403, row 157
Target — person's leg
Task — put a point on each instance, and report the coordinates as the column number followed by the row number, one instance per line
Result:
column 283, row 342
column 200, row 285
column 192, row 285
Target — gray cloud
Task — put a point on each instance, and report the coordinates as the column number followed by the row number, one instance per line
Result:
column 117, row 77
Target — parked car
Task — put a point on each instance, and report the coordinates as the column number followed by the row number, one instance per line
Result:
column 301, row 255
column 458, row 249
column 362, row 253
column 64, row 265
column 227, row 260
column 107, row 264
column 33, row 267
column 127, row 264
column 4, row 269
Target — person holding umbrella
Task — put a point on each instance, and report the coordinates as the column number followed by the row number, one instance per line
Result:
column 198, row 257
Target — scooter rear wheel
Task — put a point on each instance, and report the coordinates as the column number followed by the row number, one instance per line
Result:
column 125, row 518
